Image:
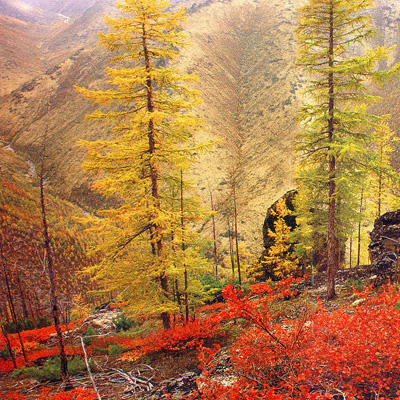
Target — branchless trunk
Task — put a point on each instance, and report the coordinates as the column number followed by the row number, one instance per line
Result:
column 8, row 344
column 156, row 234
column 11, row 303
column 54, row 307
column 359, row 228
column 22, row 296
column 351, row 252
column 236, row 234
column 49, row 264
column 331, row 259
column 214, row 236
column 380, row 179
column 231, row 248
column 183, row 250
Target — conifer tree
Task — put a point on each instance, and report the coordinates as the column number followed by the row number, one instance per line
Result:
column 279, row 259
column 336, row 126
column 383, row 177
column 152, row 141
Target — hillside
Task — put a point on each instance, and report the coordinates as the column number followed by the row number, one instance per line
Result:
column 243, row 52
column 20, row 57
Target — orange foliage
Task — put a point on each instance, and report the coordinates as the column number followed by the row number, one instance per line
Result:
column 7, row 365
column 118, row 305
column 36, row 335
column 75, row 394
column 346, row 353
column 32, row 339
column 191, row 335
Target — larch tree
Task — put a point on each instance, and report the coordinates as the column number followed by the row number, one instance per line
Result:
column 150, row 107
column 280, row 259
column 336, row 126
column 384, row 177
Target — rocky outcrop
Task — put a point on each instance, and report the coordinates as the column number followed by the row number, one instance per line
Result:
column 102, row 321
column 385, row 246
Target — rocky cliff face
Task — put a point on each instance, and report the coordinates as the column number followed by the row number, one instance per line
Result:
column 243, row 52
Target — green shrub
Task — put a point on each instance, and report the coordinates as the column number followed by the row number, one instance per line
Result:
column 114, row 349
column 5, row 353
column 354, row 283
column 87, row 338
column 42, row 322
column 100, row 350
column 122, row 322
column 50, row 370
column 212, row 287
column 111, row 350
column 23, row 325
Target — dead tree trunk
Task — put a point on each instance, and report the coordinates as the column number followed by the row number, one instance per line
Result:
column 54, row 307
column 214, row 235
column 11, row 303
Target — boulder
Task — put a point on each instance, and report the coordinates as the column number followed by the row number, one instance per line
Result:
column 384, row 247
column 102, row 321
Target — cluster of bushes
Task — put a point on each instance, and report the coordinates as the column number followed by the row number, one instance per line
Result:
column 26, row 324
column 47, row 394
column 50, row 371
column 351, row 354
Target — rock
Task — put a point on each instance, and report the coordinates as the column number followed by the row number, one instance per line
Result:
column 358, row 302
column 177, row 388
column 101, row 321
column 384, row 247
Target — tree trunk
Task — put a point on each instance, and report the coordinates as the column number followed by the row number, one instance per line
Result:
column 183, row 253
column 380, row 178
column 22, row 296
column 231, row 248
column 11, row 303
column 351, row 251
column 156, row 236
column 55, row 312
column 9, row 348
column 214, row 236
column 332, row 267
column 359, row 229
column 236, row 235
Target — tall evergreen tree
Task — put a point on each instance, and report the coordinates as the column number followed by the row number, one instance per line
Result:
column 336, row 126
column 382, row 180
column 152, row 141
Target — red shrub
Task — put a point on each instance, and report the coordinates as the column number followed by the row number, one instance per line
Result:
column 35, row 335
column 353, row 354
column 183, row 336
column 75, row 394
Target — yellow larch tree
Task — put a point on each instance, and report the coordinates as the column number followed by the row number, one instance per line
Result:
column 150, row 107
column 280, row 258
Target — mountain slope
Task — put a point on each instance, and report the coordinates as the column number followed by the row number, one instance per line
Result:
column 243, row 52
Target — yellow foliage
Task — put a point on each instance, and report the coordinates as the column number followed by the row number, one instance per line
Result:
column 140, row 167
column 279, row 260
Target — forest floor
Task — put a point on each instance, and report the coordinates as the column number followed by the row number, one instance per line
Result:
column 174, row 373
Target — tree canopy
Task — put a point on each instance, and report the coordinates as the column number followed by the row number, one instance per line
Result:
column 336, row 127
column 152, row 142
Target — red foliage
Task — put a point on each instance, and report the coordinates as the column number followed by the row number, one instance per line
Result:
column 32, row 339
column 75, row 394
column 35, row 335
column 352, row 354
column 118, row 305
column 183, row 336
column 7, row 365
